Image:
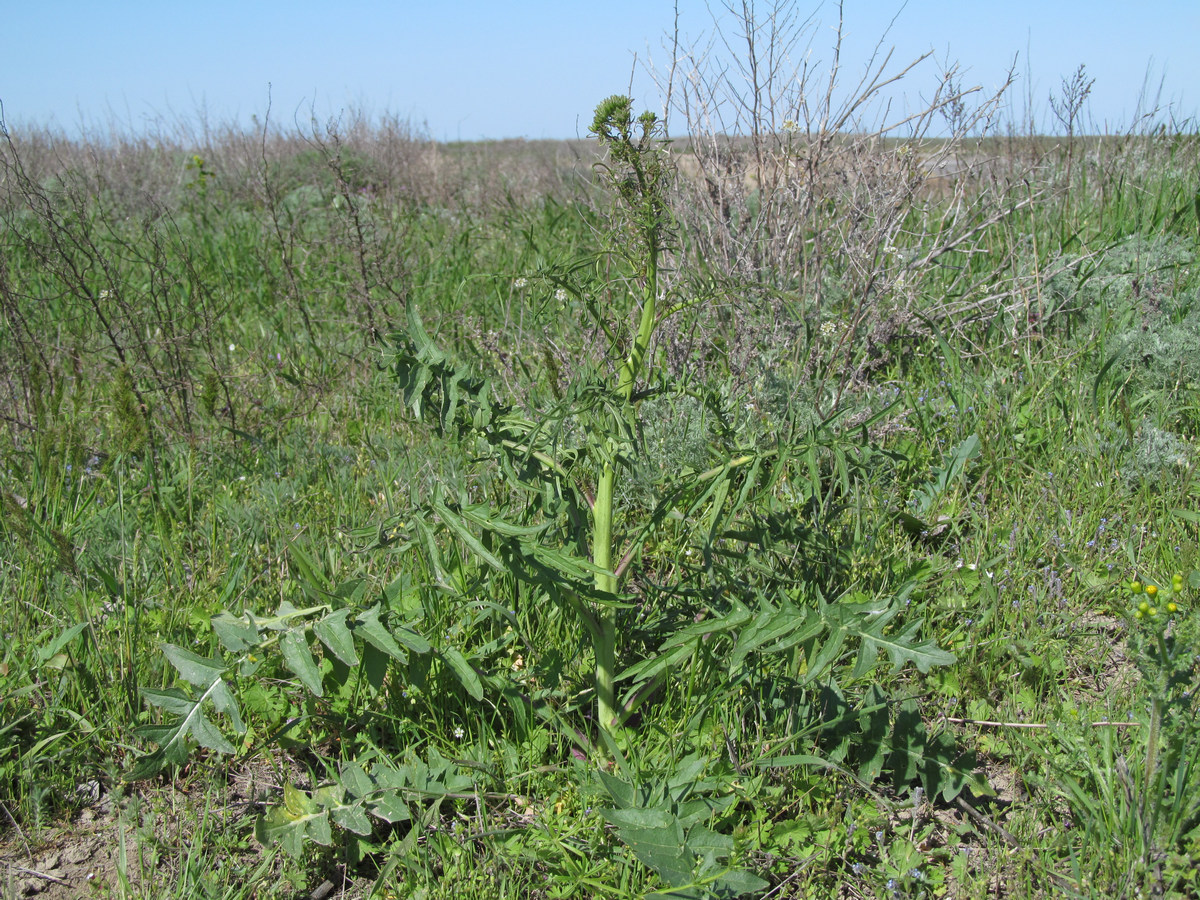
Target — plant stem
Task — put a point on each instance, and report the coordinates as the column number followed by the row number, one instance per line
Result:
column 602, row 512
column 1156, row 714
column 605, row 639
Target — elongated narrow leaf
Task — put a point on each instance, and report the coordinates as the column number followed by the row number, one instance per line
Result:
column 485, row 518
column 462, row 670
column 298, row 658
column 335, row 634
column 646, row 669
column 374, row 632
column 411, row 640
column 464, row 534
column 200, row 671
column 579, row 570
column 826, row 655
column 311, row 578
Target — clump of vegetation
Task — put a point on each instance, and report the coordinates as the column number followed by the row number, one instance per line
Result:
column 737, row 516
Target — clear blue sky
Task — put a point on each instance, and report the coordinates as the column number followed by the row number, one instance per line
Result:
column 527, row 68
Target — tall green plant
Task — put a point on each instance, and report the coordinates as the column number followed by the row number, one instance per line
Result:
column 603, row 406
column 540, row 523
column 636, row 168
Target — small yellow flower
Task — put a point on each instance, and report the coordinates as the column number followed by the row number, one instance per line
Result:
column 1172, row 607
column 1151, row 590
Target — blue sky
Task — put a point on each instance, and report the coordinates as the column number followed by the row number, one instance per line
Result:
column 528, row 68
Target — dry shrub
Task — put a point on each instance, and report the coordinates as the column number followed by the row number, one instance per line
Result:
column 818, row 191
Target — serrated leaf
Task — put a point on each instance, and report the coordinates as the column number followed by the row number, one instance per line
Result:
column 463, row 671
column 297, row 818
column 192, row 723
column 783, row 628
column 873, row 725
column 946, row 771
column 334, row 633
column 299, row 659
column 904, row 648
column 908, row 744
column 657, row 839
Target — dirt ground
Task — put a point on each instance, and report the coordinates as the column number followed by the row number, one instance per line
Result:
column 82, row 858
column 133, row 838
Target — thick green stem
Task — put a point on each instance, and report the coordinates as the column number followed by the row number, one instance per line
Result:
column 641, row 190
column 637, row 353
column 605, row 639
column 602, row 511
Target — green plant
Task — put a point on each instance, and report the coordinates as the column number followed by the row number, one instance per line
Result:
column 1141, row 799
column 540, row 525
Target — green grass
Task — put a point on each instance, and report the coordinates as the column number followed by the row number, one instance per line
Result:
column 227, row 438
